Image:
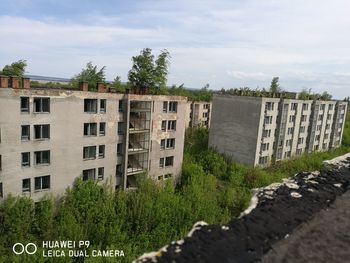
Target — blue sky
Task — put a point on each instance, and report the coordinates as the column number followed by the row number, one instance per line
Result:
column 223, row 43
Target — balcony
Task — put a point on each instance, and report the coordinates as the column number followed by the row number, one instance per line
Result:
column 137, row 163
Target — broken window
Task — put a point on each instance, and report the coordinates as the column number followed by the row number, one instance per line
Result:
column 165, row 106
column 42, row 131
column 42, row 182
column 101, row 151
column 170, row 143
column 163, row 125
column 25, row 104
column 90, row 105
column 41, row 105
column 89, row 152
column 103, row 105
column 162, row 144
column 89, row 174
column 102, row 128
column 26, row 185
column 42, row 157
column 26, row 159
column 100, row 174
column 172, row 125
column 25, row 132
column 169, row 161
column 173, row 106
column 90, row 129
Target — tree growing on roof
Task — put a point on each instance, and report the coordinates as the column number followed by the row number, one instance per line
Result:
column 148, row 72
column 90, row 74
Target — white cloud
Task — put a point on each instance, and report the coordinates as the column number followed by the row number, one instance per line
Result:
column 224, row 43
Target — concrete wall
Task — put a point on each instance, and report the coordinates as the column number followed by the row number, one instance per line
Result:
column 235, row 126
column 66, row 119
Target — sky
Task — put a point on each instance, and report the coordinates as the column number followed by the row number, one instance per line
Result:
column 226, row 43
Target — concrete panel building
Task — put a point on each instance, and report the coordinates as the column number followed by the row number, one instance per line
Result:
column 262, row 130
column 198, row 114
column 50, row 137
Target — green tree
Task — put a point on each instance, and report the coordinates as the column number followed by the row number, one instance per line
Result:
column 326, row 96
column 118, row 85
column 275, row 86
column 148, row 73
column 91, row 74
column 15, row 69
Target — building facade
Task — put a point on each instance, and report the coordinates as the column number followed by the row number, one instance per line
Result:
column 261, row 130
column 50, row 137
column 198, row 114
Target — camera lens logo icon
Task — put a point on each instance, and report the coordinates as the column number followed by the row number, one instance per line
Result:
column 19, row 248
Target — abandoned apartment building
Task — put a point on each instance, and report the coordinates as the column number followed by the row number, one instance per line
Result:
column 262, row 130
column 50, row 137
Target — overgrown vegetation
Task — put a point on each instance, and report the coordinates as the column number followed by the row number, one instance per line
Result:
column 212, row 188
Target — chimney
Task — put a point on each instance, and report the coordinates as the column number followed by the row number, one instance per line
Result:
column 83, row 86
column 26, row 83
column 4, row 81
column 101, row 87
column 14, row 82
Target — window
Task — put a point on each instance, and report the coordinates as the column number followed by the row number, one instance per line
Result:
column 89, row 152
column 293, row 106
column 326, row 135
column 317, row 137
column 323, row 106
column 25, row 132
column 120, row 127
column 266, row 133
column 287, row 154
column 160, row 177
column 121, row 106
column 101, row 151
column 161, row 162
column 90, row 129
column 102, row 128
column 1, row 191
column 118, row 170
column 302, row 129
column 290, row 130
column 205, row 114
column 26, row 159
column 163, row 125
column 324, row 146
column 303, row 118
column 0, row 162
column 165, row 106
column 265, row 146
column 330, row 107
column 90, row 105
column 26, row 185
column 101, row 173
column 166, row 176
column 329, row 116
column 318, row 127
column 170, row 143
column 162, row 144
column 42, row 132
column 42, row 183
column 305, row 106
column 269, row 106
column 268, row 120
column 119, row 149
column 25, row 104
column 320, row 117
column 89, row 174
column 42, row 157
column 263, row 160
column 299, row 151
column 41, row 105
column 171, row 125
column 103, row 105
column 173, row 106
column 169, row 161
column 288, row 142
column 300, row 140
column 291, row 118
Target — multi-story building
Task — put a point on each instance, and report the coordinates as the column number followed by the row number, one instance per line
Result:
column 50, row 137
column 198, row 114
column 261, row 130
